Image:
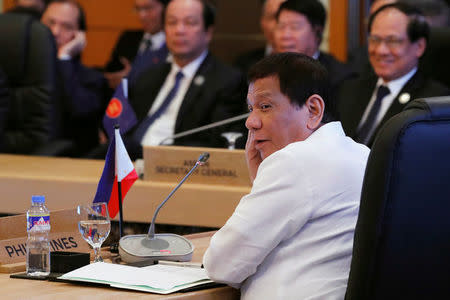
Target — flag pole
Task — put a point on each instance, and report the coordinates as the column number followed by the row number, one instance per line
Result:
column 119, row 186
column 119, row 183
column 119, row 198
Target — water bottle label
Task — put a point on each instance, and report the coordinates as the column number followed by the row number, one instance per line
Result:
column 37, row 223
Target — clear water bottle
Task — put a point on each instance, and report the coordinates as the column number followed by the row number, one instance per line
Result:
column 38, row 247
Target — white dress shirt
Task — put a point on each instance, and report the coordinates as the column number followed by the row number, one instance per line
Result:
column 164, row 126
column 292, row 236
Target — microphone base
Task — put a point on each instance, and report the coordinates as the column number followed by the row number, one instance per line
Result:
column 165, row 246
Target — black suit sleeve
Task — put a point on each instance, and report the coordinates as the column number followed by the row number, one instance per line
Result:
column 83, row 87
column 221, row 96
column 127, row 47
column 231, row 103
column 84, row 102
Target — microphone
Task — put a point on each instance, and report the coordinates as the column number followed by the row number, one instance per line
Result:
column 146, row 248
column 204, row 128
column 200, row 161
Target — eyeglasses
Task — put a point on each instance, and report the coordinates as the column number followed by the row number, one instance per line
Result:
column 391, row 42
column 290, row 26
column 64, row 26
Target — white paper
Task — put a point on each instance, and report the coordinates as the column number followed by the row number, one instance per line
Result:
column 161, row 277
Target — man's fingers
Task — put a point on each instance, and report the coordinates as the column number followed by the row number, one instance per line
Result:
column 125, row 62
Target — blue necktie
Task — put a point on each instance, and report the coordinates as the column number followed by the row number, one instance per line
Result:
column 364, row 134
column 148, row 121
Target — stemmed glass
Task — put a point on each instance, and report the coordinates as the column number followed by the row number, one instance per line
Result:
column 231, row 139
column 94, row 225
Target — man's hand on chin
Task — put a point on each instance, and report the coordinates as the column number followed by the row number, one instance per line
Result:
column 74, row 47
column 252, row 156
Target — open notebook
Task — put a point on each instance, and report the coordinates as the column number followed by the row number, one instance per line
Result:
column 161, row 279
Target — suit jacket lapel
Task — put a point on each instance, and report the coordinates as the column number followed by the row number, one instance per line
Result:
column 194, row 91
column 363, row 93
column 410, row 88
column 151, row 87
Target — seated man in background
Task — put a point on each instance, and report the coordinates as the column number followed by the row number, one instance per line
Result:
column 436, row 13
column 192, row 90
column 300, row 26
column 80, row 99
column 398, row 36
column 292, row 236
column 268, row 22
column 139, row 49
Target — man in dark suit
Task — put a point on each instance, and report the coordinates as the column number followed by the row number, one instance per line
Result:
column 267, row 22
column 138, row 49
column 300, row 25
column 192, row 90
column 398, row 36
column 79, row 103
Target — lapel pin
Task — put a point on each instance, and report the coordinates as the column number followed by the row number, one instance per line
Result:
column 199, row 80
column 404, row 98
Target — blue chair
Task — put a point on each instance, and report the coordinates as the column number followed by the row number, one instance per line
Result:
column 402, row 237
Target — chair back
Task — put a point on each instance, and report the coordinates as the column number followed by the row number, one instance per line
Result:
column 402, row 237
column 28, row 58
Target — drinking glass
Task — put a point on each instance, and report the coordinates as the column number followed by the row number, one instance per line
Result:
column 94, row 225
column 231, row 138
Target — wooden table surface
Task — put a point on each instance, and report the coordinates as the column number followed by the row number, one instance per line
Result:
column 68, row 182
column 35, row 289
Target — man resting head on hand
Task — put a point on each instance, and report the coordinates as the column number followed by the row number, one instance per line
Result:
column 292, row 236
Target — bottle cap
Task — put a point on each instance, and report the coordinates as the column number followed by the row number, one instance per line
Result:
column 37, row 199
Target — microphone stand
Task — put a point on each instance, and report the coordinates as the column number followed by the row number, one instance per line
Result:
column 201, row 160
column 205, row 127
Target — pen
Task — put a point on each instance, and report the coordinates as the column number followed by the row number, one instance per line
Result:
column 181, row 264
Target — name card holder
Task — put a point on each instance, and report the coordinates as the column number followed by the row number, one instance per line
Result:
column 171, row 163
column 64, row 236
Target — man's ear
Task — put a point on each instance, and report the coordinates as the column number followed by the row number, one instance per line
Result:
column 421, row 45
column 318, row 31
column 316, row 108
column 209, row 33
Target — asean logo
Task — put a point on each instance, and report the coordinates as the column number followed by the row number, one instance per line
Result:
column 114, row 108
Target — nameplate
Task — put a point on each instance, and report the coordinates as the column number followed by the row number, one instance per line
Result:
column 172, row 163
column 64, row 235
column 15, row 250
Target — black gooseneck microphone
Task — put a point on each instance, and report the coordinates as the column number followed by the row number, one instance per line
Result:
column 203, row 158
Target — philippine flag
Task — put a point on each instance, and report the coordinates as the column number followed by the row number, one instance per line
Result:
column 118, row 168
column 119, row 111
